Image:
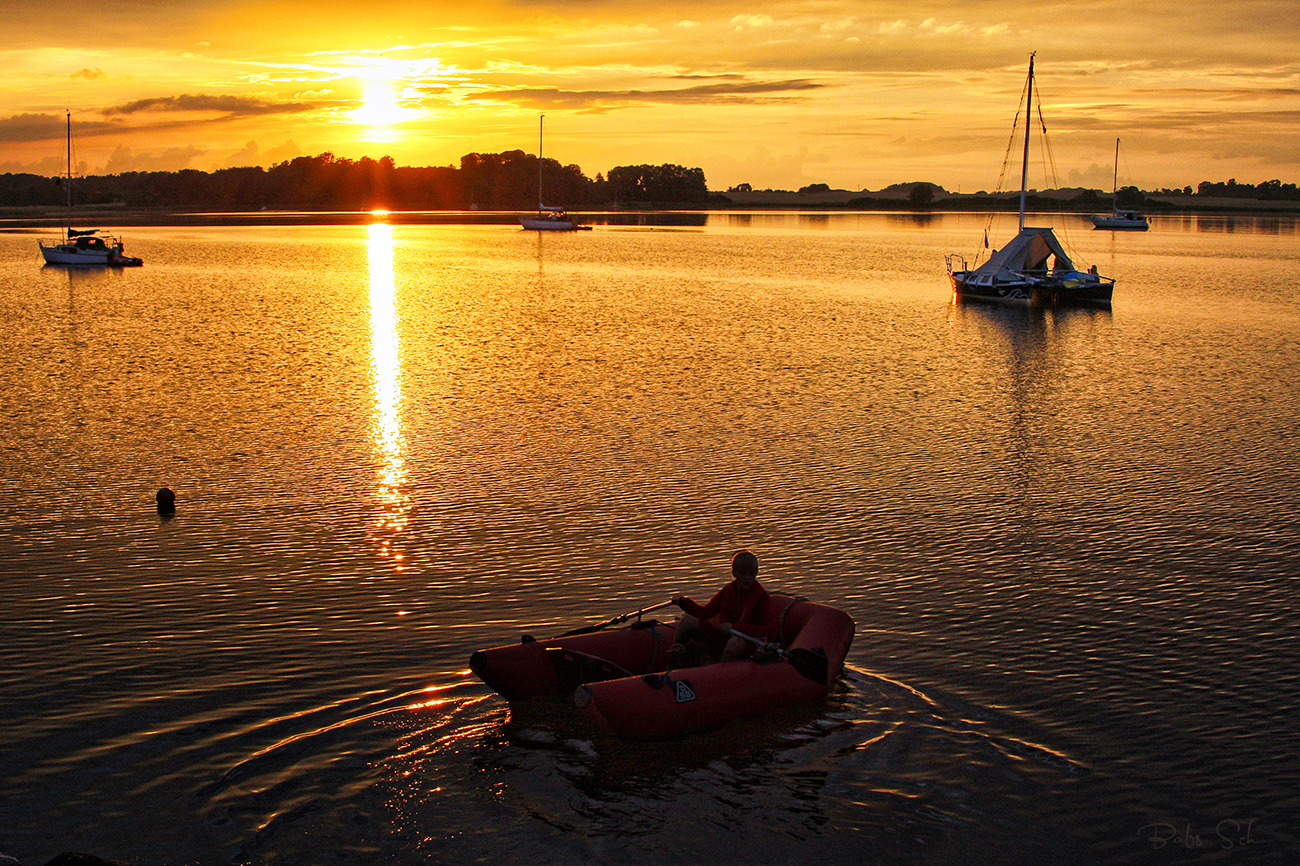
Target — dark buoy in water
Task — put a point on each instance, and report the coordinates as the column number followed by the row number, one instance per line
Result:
column 166, row 501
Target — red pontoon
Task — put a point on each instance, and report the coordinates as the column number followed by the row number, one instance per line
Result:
column 619, row 677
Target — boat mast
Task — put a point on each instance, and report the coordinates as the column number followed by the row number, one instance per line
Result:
column 68, row 219
column 1114, row 180
column 1024, row 164
column 540, row 119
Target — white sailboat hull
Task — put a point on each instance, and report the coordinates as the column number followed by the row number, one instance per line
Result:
column 546, row 224
column 1121, row 222
column 60, row 253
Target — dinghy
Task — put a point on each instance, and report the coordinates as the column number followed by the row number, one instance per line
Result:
column 621, row 679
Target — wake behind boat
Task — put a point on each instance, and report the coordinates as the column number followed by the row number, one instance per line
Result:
column 548, row 219
column 89, row 247
column 1033, row 269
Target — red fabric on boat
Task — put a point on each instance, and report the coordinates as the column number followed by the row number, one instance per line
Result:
column 618, row 673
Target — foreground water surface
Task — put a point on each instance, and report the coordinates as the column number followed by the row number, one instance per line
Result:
column 1069, row 541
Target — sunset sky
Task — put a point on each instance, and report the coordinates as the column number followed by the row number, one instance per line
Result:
column 854, row 93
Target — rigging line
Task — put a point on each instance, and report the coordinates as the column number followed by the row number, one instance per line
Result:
column 1054, row 181
column 1052, row 177
column 1128, row 172
column 1006, row 163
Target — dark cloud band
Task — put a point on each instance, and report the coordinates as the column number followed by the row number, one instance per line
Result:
column 231, row 105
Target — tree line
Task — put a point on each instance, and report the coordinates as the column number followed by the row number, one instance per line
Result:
column 487, row 181
column 492, row 181
column 1269, row 190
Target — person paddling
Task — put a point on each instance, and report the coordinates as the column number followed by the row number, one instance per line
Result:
column 742, row 603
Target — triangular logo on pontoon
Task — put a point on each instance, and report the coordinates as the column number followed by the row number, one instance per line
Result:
column 684, row 691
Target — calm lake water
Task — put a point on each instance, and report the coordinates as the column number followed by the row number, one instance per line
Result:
column 1070, row 541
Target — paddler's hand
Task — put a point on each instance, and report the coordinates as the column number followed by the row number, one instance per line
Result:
column 725, row 628
column 678, row 599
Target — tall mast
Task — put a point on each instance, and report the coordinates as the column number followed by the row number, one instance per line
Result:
column 540, row 119
column 1029, row 119
column 1114, row 181
column 68, row 220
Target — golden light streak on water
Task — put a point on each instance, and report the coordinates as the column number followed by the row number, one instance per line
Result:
column 387, row 370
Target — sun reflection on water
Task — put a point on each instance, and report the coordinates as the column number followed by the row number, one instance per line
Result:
column 389, row 442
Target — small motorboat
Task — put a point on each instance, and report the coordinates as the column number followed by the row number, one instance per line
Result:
column 621, row 678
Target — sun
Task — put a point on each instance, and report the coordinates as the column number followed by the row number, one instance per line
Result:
column 381, row 106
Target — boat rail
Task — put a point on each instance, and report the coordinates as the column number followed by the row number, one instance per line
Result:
column 955, row 257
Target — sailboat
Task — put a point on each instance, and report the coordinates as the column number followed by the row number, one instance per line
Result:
column 87, row 247
column 1121, row 220
column 548, row 219
column 1033, row 269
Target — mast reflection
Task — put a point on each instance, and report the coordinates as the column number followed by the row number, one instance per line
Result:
column 386, row 364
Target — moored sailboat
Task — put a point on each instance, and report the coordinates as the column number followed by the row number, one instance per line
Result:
column 1120, row 220
column 548, row 218
column 1033, row 269
column 85, row 247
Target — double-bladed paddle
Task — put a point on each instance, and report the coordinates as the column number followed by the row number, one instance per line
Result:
column 809, row 663
column 621, row 618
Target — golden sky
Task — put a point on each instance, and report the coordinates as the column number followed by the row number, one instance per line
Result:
column 858, row 94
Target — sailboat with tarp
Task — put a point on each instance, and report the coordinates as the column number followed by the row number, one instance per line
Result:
column 1033, row 269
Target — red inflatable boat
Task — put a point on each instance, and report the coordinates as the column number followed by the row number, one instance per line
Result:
column 619, row 676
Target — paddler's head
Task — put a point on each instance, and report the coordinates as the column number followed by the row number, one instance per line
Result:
column 744, row 568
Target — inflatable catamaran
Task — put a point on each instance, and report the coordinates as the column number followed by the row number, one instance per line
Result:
column 621, row 679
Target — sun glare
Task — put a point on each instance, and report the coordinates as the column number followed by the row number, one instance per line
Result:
column 381, row 107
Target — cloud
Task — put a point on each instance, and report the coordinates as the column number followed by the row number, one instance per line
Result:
column 172, row 159
column 50, row 166
column 44, row 127
column 89, row 74
column 247, row 155
column 244, row 106
column 740, row 22
column 708, row 94
column 283, row 153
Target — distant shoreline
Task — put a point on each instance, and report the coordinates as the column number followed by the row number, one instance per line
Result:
column 27, row 219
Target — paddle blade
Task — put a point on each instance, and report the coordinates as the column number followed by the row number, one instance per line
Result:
column 587, row 629
column 811, row 663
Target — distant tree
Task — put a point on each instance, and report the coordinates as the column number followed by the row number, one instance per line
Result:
column 815, row 188
column 665, row 184
column 921, row 195
column 31, row 189
column 1129, row 197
